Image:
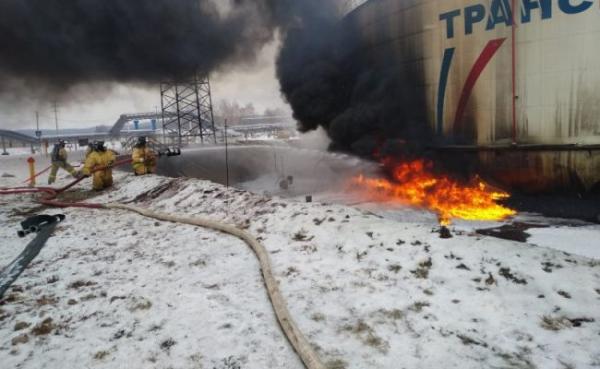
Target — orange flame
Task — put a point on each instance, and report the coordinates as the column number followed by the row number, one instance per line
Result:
column 415, row 184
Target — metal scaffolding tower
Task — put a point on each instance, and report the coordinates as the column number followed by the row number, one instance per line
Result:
column 187, row 110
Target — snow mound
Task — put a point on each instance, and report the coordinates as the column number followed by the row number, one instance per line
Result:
column 114, row 289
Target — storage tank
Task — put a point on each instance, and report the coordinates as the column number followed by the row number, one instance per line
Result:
column 514, row 84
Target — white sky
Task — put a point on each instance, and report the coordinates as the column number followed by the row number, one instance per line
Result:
column 255, row 84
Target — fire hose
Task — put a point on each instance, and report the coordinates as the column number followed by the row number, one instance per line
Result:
column 298, row 341
column 37, row 174
column 28, row 180
column 43, row 226
column 307, row 354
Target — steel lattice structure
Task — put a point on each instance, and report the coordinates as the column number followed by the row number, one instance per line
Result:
column 187, row 110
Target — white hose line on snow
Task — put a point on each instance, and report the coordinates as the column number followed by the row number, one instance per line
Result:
column 308, row 356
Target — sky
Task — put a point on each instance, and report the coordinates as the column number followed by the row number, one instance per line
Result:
column 97, row 105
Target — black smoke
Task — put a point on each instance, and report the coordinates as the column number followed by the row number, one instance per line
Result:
column 328, row 74
column 56, row 44
column 367, row 101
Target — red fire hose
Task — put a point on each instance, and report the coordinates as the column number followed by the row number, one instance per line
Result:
column 44, row 171
column 52, row 193
column 38, row 174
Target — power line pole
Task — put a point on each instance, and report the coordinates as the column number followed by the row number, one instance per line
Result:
column 56, row 117
column 38, row 133
column 226, row 157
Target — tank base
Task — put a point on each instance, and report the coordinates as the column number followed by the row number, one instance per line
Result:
column 531, row 169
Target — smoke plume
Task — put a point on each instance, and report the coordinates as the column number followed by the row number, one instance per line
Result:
column 326, row 73
column 366, row 102
column 57, row 44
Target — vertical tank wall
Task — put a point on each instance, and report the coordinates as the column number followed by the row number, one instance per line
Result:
column 491, row 84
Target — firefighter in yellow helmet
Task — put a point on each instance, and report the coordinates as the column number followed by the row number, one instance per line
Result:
column 143, row 158
column 59, row 160
column 100, row 158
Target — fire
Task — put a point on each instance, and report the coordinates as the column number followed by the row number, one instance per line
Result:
column 415, row 184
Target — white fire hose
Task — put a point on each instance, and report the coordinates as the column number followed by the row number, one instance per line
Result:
column 307, row 354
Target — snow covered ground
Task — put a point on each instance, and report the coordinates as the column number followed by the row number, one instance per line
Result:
column 16, row 150
column 370, row 287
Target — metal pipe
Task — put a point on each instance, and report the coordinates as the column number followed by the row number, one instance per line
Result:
column 226, row 157
column 514, row 72
column 56, row 118
column 532, row 147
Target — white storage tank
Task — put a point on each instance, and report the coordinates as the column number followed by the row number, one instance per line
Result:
column 516, row 83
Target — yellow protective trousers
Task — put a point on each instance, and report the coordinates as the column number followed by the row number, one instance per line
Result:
column 60, row 164
column 143, row 160
column 102, row 179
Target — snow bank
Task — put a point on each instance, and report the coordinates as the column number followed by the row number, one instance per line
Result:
column 113, row 289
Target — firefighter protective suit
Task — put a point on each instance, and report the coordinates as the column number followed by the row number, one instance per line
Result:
column 144, row 160
column 103, row 178
column 88, row 151
column 59, row 160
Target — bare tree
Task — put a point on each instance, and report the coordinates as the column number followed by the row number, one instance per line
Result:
column 229, row 110
column 274, row 112
column 248, row 110
column 233, row 111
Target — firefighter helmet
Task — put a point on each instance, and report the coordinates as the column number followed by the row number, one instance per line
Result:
column 99, row 146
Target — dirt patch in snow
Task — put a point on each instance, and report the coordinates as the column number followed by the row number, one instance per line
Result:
column 157, row 191
column 80, row 284
column 506, row 273
column 367, row 335
column 515, row 231
column 422, row 271
column 139, row 303
column 19, row 326
column 44, row 328
column 336, row 364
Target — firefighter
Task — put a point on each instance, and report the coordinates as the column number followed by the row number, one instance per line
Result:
column 59, row 160
column 100, row 158
column 89, row 150
column 143, row 158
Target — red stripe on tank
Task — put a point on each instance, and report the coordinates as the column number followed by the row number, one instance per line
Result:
column 514, row 72
column 486, row 56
